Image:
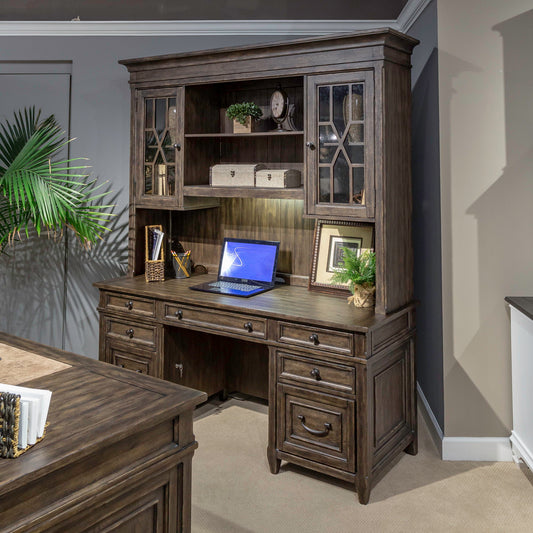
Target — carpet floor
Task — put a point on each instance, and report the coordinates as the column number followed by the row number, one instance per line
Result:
column 234, row 492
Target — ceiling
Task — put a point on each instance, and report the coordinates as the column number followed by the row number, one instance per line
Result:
column 88, row 10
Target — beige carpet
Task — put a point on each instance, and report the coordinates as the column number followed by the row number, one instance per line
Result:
column 233, row 490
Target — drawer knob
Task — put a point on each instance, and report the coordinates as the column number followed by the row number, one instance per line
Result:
column 310, row 145
column 130, row 332
column 314, row 339
column 129, row 305
column 316, row 374
column 249, row 327
column 179, row 314
column 315, row 432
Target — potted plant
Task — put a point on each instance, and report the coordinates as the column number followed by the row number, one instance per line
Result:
column 360, row 273
column 243, row 116
column 40, row 189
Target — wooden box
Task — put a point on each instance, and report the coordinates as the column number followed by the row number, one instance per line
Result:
column 234, row 175
column 280, row 178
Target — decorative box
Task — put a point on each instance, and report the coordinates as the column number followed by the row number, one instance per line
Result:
column 280, row 178
column 234, row 174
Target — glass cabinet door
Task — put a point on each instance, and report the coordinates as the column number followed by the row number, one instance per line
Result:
column 340, row 145
column 161, row 147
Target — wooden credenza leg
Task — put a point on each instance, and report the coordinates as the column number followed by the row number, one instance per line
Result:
column 363, row 490
column 273, row 461
column 412, row 449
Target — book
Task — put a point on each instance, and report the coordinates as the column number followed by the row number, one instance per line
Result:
column 158, row 240
column 32, row 413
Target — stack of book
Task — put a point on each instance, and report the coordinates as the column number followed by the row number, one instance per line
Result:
column 23, row 414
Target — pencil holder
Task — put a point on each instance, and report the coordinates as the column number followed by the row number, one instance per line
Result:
column 182, row 265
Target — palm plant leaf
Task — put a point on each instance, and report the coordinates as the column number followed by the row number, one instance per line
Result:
column 36, row 189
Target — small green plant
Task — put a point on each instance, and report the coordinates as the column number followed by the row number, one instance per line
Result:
column 240, row 112
column 359, row 269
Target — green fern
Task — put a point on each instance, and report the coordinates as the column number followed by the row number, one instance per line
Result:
column 359, row 269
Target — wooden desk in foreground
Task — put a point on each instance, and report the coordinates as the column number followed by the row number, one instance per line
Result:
column 117, row 453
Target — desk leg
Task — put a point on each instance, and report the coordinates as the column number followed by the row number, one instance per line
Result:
column 273, row 461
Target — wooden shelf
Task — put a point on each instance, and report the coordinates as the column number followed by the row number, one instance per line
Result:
column 254, row 134
column 295, row 193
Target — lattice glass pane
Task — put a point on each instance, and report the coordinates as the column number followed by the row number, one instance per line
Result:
column 358, row 109
column 149, row 154
column 170, row 155
column 324, row 189
column 323, row 104
column 171, row 180
column 149, row 118
column 356, row 133
column 341, row 180
column 160, row 116
column 358, row 185
column 326, row 154
column 327, row 135
column 172, row 119
column 148, row 179
column 356, row 152
column 340, row 99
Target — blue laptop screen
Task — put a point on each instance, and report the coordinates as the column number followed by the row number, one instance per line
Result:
column 249, row 260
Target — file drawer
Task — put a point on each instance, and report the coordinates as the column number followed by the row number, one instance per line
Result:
column 305, row 371
column 234, row 323
column 340, row 342
column 131, row 332
column 316, row 426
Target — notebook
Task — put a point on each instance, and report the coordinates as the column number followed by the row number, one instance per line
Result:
column 247, row 267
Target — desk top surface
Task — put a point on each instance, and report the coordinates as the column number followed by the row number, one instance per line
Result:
column 93, row 404
column 522, row 303
column 285, row 302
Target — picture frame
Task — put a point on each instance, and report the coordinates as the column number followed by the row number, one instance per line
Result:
column 330, row 237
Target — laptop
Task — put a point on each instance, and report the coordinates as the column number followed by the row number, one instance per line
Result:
column 247, row 267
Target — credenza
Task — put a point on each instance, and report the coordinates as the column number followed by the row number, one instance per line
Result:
column 116, row 455
column 339, row 380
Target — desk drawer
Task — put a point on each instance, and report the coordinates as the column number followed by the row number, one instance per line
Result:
column 304, row 371
column 135, row 306
column 131, row 362
column 233, row 323
column 340, row 342
column 131, row 332
column 316, row 426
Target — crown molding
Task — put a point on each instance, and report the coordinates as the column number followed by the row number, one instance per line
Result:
column 410, row 13
column 124, row 28
column 189, row 27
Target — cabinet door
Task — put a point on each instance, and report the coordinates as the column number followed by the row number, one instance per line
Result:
column 158, row 131
column 340, row 145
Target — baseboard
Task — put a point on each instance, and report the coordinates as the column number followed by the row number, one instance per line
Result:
column 431, row 421
column 470, row 448
column 476, row 449
column 521, row 451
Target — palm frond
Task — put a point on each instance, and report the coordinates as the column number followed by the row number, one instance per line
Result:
column 36, row 189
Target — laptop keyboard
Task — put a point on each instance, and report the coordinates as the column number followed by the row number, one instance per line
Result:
column 236, row 286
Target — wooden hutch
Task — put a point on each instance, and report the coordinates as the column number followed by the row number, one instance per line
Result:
column 340, row 381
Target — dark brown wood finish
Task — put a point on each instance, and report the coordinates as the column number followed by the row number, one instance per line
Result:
column 340, row 381
column 117, row 452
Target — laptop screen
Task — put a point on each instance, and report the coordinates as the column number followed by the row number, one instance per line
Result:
column 248, row 260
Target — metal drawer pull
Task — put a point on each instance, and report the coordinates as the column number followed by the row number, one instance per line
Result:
column 129, row 305
column 249, row 327
column 314, row 339
column 130, row 332
column 179, row 314
column 315, row 432
column 316, row 374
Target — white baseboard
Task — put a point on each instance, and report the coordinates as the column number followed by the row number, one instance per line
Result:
column 470, row 448
column 521, row 451
column 476, row 449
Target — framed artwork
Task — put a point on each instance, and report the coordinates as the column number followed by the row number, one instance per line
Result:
column 330, row 239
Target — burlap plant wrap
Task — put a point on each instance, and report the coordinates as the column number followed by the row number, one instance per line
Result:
column 363, row 296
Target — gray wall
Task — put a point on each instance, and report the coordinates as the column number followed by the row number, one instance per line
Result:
column 426, row 211
column 37, row 306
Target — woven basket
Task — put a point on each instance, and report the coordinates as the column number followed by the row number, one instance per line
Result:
column 154, row 269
